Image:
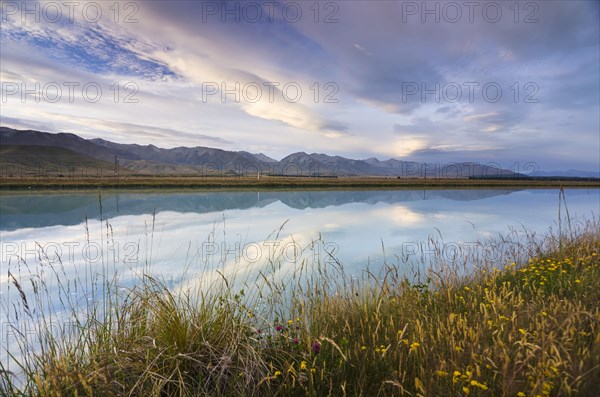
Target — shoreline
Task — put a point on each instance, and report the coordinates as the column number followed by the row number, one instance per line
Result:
column 287, row 183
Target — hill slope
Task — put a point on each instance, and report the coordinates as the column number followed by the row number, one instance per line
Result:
column 49, row 161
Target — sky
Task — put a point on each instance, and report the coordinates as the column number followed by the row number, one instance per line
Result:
column 515, row 84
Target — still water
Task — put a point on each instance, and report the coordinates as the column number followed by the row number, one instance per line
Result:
column 183, row 232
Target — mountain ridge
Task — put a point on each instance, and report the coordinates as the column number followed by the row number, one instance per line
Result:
column 151, row 159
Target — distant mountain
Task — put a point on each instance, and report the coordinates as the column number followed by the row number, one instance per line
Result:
column 213, row 158
column 72, row 142
column 324, row 165
column 260, row 157
column 149, row 159
column 569, row 173
column 49, row 161
column 450, row 170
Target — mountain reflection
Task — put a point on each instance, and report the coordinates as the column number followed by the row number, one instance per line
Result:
column 33, row 210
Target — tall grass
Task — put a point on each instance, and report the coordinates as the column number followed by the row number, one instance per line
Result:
column 525, row 322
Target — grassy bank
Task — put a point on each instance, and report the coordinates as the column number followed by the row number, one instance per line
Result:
column 528, row 327
column 269, row 182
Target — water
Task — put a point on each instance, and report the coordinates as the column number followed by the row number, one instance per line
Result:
column 172, row 232
column 66, row 243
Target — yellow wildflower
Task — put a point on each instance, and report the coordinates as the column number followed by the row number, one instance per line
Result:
column 479, row 385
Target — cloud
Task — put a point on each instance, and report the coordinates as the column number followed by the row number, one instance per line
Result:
column 477, row 117
column 282, row 98
column 373, row 56
column 96, row 47
column 404, row 147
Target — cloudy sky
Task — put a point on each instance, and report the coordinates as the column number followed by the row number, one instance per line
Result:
column 505, row 82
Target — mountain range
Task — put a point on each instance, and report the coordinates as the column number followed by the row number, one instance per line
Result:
column 65, row 152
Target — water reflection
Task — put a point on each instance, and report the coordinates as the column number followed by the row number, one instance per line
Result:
column 180, row 230
column 38, row 210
